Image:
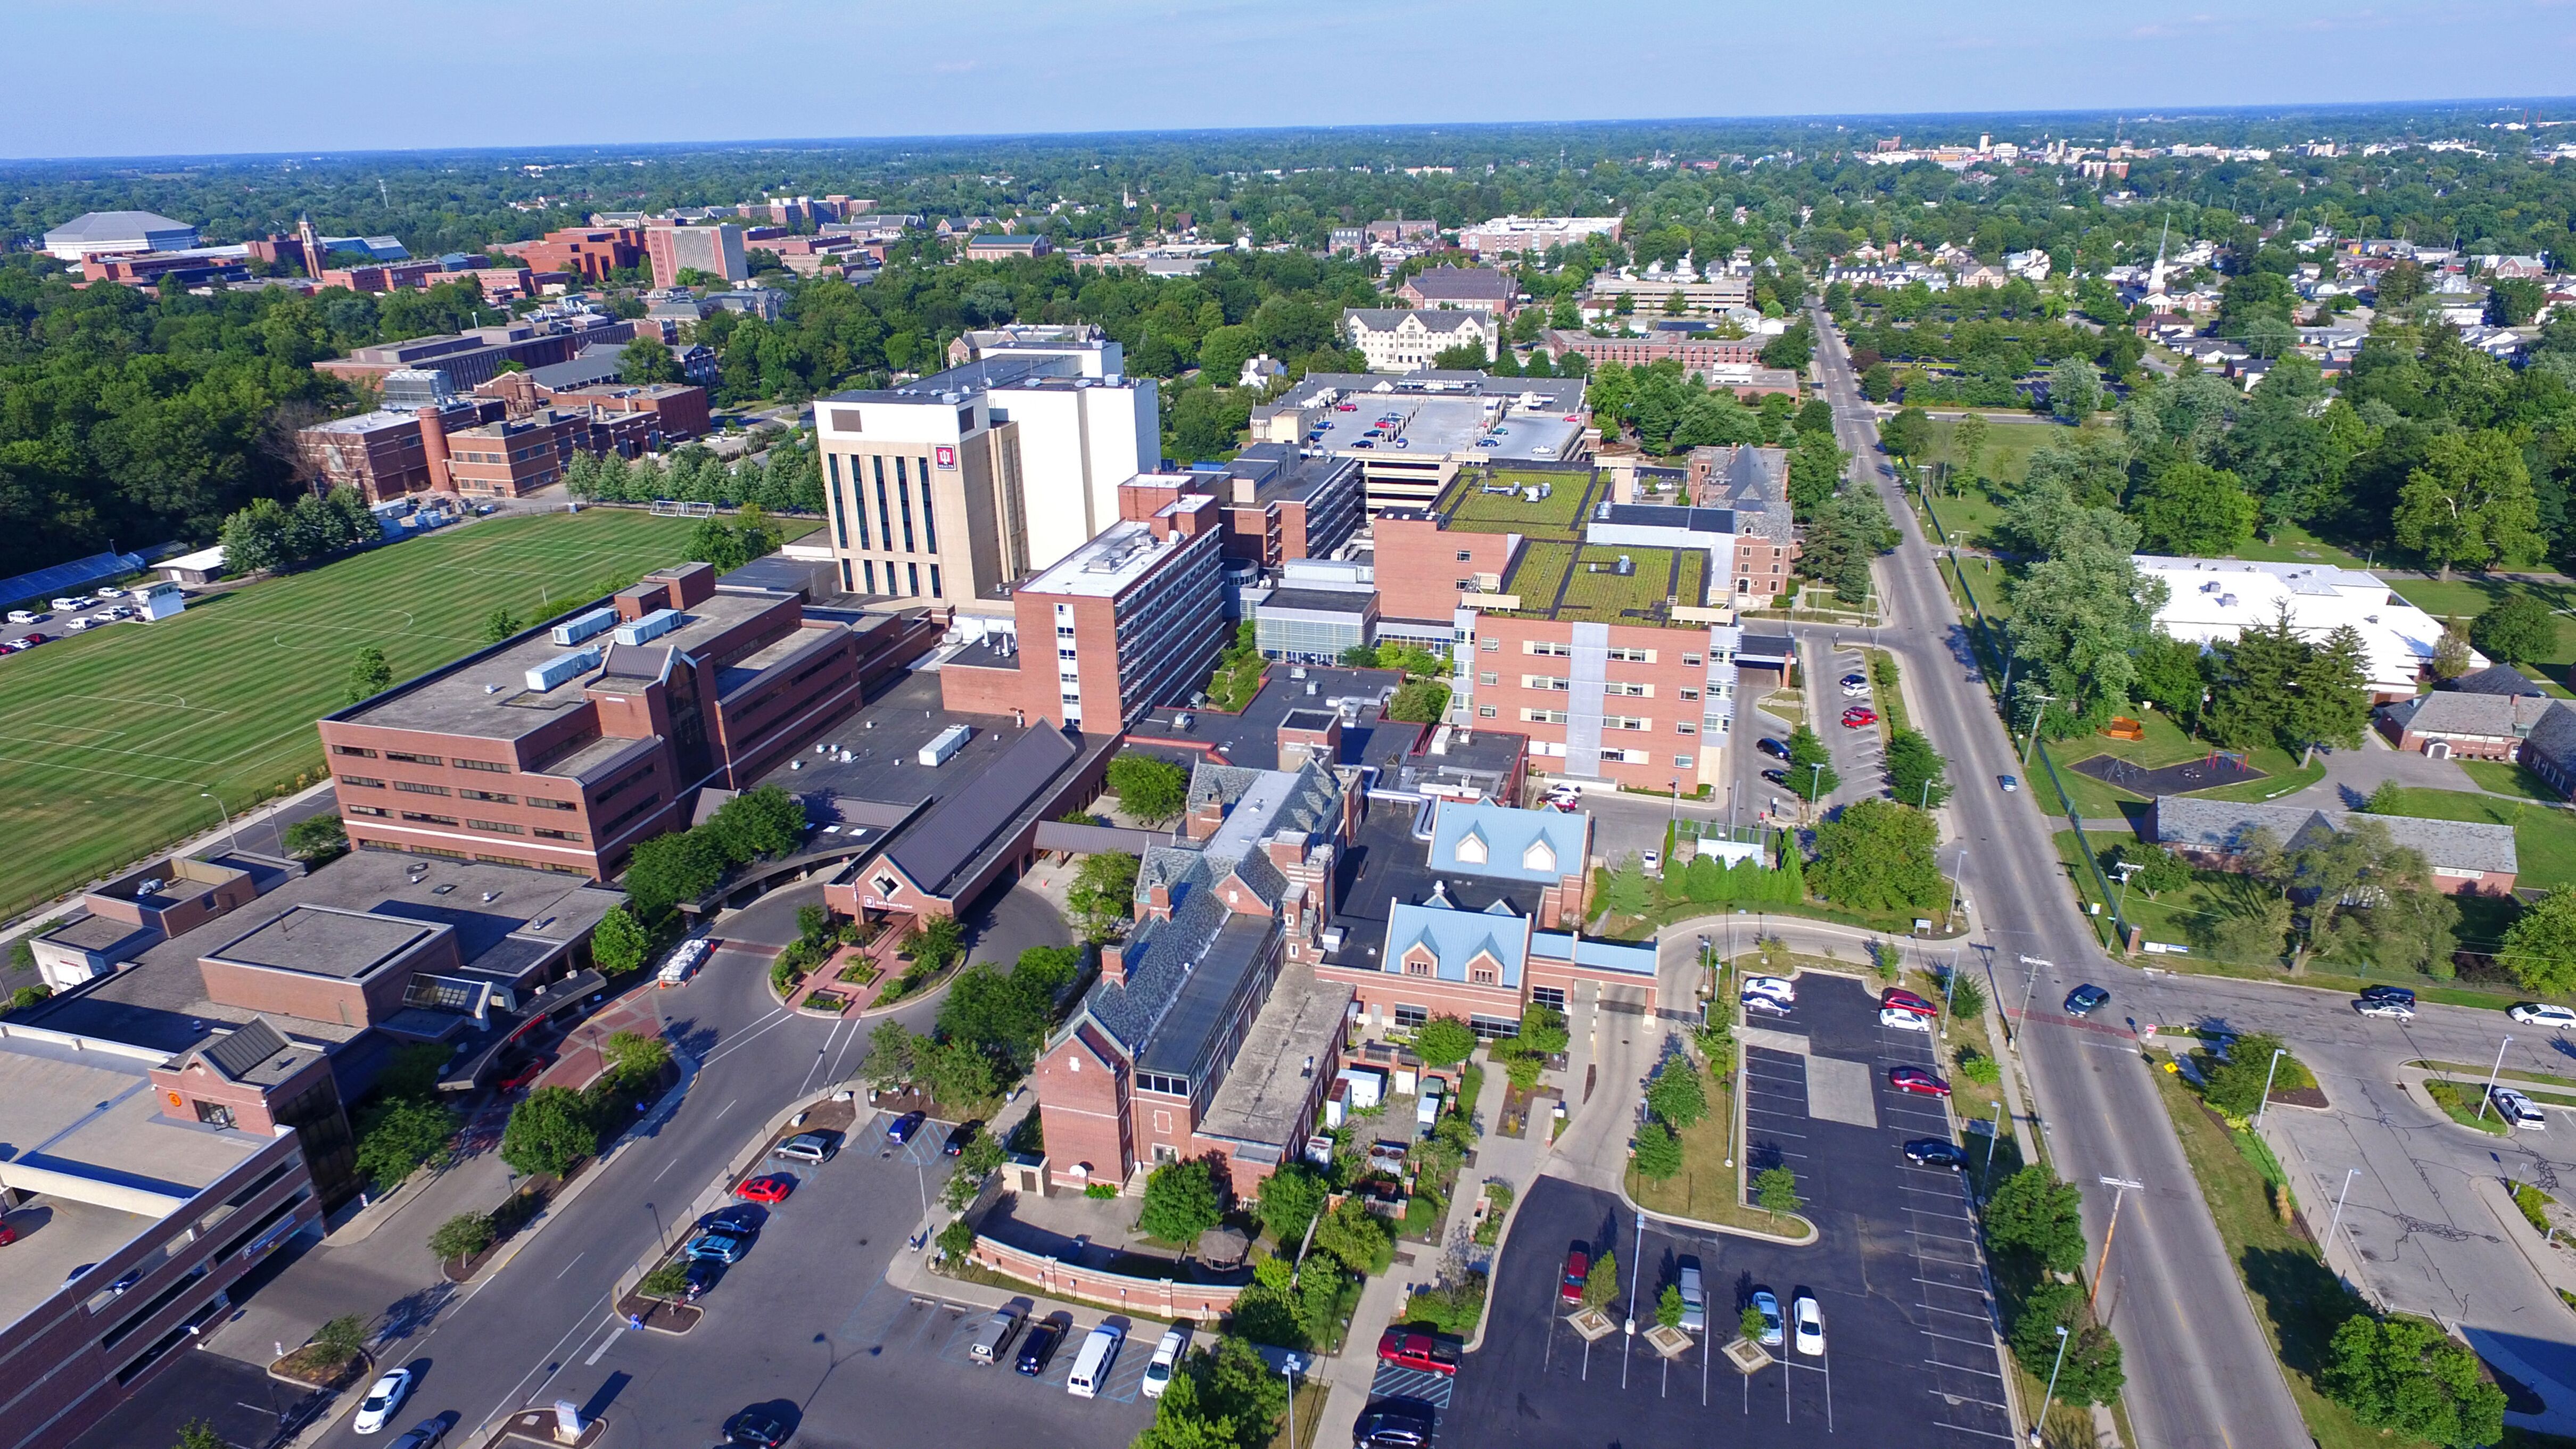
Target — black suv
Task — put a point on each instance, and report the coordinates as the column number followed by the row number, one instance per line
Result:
column 1393, row 1424
column 1037, row 1346
column 2398, row 994
column 1935, row 1152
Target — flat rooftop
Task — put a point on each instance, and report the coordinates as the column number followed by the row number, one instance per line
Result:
column 1582, row 582
column 1264, row 1097
column 1121, row 554
column 884, row 740
column 160, row 1002
column 1466, row 506
column 1251, row 739
column 1493, row 428
column 1386, row 865
column 320, row 941
column 460, row 700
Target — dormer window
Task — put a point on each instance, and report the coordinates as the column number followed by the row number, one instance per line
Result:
column 1471, row 849
column 1539, row 856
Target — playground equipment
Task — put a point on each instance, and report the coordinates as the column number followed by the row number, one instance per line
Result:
column 2122, row 727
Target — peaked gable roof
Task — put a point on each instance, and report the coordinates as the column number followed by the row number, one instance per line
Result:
column 1507, row 836
column 1454, row 939
column 2221, row 827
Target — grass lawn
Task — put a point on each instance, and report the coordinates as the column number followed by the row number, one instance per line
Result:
column 1710, row 1186
column 2506, row 778
column 2006, row 456
column 2462, row 1099
column 2544, row 838
column 2293, row 544
column 2465, row 599
column 113, row 734
column 1967, row 514
column 2297, row 1300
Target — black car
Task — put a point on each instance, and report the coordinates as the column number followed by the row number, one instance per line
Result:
column 1393, row 1424
column 1935, row 1152
column 756, row 1429
column 959, row 1136
column 904, row 1126
column 703, row 1274
column 2086, row 999
column 1777, row 777
column 1773, row 748
column 2398, row 994
column 1037, row 1346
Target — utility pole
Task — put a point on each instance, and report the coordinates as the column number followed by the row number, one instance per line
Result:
column 2341, row 1193
column 2045, row 700
column 2119, row 913
column 2120, row 1187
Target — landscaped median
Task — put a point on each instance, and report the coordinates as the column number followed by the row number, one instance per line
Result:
column 1688, row 1165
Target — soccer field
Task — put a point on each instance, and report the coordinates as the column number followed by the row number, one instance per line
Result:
column 108, row 738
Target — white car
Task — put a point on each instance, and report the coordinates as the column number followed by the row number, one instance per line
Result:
column 23, row 616
column 71, row 603
column 2533, row 1013
column 1778, row 988
column 111, row 593
column 2516, row 1108
column 1757, row 1004
column 1903, row 1020
column 384, row 1396
column 1651, row 861
column 1167, row 1358
column 1809, row 1323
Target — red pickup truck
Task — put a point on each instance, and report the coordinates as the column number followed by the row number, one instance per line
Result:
column 1419, row 1351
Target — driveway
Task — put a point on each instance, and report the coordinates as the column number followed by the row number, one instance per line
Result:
column 2352, row 774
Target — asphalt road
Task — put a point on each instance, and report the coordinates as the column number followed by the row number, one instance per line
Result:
column 2201, row 1374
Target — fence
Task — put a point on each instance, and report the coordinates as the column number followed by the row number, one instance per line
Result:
column 1056, row 1278
column 1982, row 635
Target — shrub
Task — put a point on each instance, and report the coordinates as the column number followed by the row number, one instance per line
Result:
column 1453, row 1308
column 317, row 838
column 1444, row 1041
column 1775, row 1189
column 549, row 1132
column 635, row 1059
column 670, row 1280
column 462, row 1236
column 957, row 1239
column 1979, row 1068
column 1101, row 1191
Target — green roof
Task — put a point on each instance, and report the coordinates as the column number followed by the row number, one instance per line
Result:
column 1582, row 582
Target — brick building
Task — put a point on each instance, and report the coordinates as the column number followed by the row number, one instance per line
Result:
column 715, row 249
column 474, row 357
column 513, row 457
column 391, row 452
column 1274, row 505
column 589, row 253
column 1475, row 288
column 562, row 747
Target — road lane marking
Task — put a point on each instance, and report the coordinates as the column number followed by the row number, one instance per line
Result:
column 577, row 1257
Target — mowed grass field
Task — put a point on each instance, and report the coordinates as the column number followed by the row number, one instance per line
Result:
column 107, row 739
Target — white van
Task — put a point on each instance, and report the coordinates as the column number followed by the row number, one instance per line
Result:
column 1091, row 1366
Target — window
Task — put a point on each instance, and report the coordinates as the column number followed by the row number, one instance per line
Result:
column 416, row 788
column 362, row 780
column 885, row 514
column 1483, row 711
column 1690, row 661
column 493, row 766
column 1489, row 678
column 1490, row 646
column 1543, row 716
column 1549, row 647
column 1545, row 682
column 913, row 571
column 1689, row 693
column 929, row 525
column 934, row 580
column 542, row 803
column 414, row 759
column 1466, row 586
column 871, row 570
column 364, row 809
column 1681, row 762
column 1410, row 1017
column 1635, row 691
column 358, row 750
column 1471, row 848
column 418, row 818
column 496, row 827
column 572, row 835
column 1548, row 996
column 1466, row 556
column 1482, row 976
column 488, row 795
column 903, row 503
column 1630, row 656
column 1624, row 722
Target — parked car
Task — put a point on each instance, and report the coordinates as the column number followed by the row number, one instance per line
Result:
column 1917, row 1081
column 1773, row 748
column 1778, row 988
column 1777, row 777
column 2516, row 1108
column 995, row 1336
column 30, row 639
column 1037, row 1347
column 67, row 604
column 2533, row 1013
column 1694, row 1299
column 521, row 1075
column 1900, row 1019
column 2388, row 993
column 1417, row 1351
column 1810, row 1321
column 109, row 594
column 959, row 1136
column 1904, row 1000
column 25, row 616
column 1651, row 861
column 384, row 1396
column 1769, row 1308
column 901, row 1129
column 1578, row 1266
column 1563, row 804
column 1854, row 681
column 2397, row 1010
column 1091, row 1366
column 805, row 1147
column 770, row 1187
column 1394, row 1424
column 8, row 1235
column 756, row 1429
column 1167, row 1358
column 1761, row 1005
column 1858, row 717
column 1936, row 1152
column 701, row 1275
column 724, row 1245
column 2086, row 999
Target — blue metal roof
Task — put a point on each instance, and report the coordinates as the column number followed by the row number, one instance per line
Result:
column 79, row 573
column 1455, row 938
column 1504, row 837
column 1585, row 951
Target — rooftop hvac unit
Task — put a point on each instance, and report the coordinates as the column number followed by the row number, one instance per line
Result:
column 945, row 745
column 2227, row 601
column 1627, row 566
column 584, row 626
column 562, row 667
column 652, row 626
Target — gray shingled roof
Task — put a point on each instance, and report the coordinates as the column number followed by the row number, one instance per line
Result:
column 2448, row 712
column 2220, row 827
column 2495, row 679
column 2553, row 737
column 239, row 1052
column 959, row 826
column 1478, row 284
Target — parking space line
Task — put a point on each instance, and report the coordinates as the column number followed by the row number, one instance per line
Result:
column 1965, row 1369
column 1987, row 1342
column 1964, row 1429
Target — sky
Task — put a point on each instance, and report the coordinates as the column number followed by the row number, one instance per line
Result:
column 172, row 77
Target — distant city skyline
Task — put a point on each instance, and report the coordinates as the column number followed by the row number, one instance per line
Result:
column 330, row 78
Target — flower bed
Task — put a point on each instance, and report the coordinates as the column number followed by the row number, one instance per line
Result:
column 825, row 999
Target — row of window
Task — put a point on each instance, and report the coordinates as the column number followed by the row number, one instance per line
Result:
column 400, row 757
column 1554, row 650
column 894, row 584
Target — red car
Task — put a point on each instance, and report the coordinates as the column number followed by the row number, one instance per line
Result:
column 1918, row 1081
column 1418, row 1351
column 1904, row 1000
column 8, row 1234
column 522, row 1077
column 1578, row 1267
column 773, row 1188
column 1856, row 717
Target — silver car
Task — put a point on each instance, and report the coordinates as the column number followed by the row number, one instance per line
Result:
column 2396, row 1010
column 1694, row 1300
column 2516, row 1108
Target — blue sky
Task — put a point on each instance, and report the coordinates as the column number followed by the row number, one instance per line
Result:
column 142, row 77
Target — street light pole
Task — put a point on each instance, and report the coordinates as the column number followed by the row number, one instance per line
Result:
column 231, row 840
column 2041, row 1418
column 2120, row 912
column 2340, row 1194
column 2492, row 1073
column 2120, row 1187
column 2265, row 1104
column 1815, row 781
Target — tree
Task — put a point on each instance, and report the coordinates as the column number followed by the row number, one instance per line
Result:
column 1915, row 770
column 1805, row 753
column 1658, row 1151
column 369, row 674
column 2234, row 1087
column 935, row 942
column 644, row 362
column 462, row 1236
column 498, row 625
column 1908, row 434
column 1775, row 1190
column 635, row 1058
column 2158, row 870
column 2193, row 509
column 2170, row 677
column 1601, row 1285
column 2074, row 390
column 1792, row 349
column 2519, row 629
column 548, row 1132
column 255, row 538
column 1669, row 1308
column 1290, row 1199
column 1149, row 788
column 2470, row 504
column 1360, row 1239
column 1878, row 384
column 1103, row 895
column 199, row 1434
column 2451, row 654
column 341, row 1338
column 1419, row 701
column 1444, row 1041
column 1543, row 1029
column 1878, row 856
column 1968, row 446
column 2405, row 1374
column 397, row 1134
column 618, row 944
column 667, row 869
column 1678, row 1093
column 2034, row 1214
column 2091, row 1372
column 2540, row 946
column 893, row 1055
column 317, row 838
column 1180, row 1204
column 1623, row 889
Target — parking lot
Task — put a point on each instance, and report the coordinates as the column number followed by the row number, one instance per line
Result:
column 54, row 622
column 1910, row 1356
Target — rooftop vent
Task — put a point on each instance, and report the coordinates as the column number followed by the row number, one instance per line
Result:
column 584, row 626
column 652, row 626
column 562, row 667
